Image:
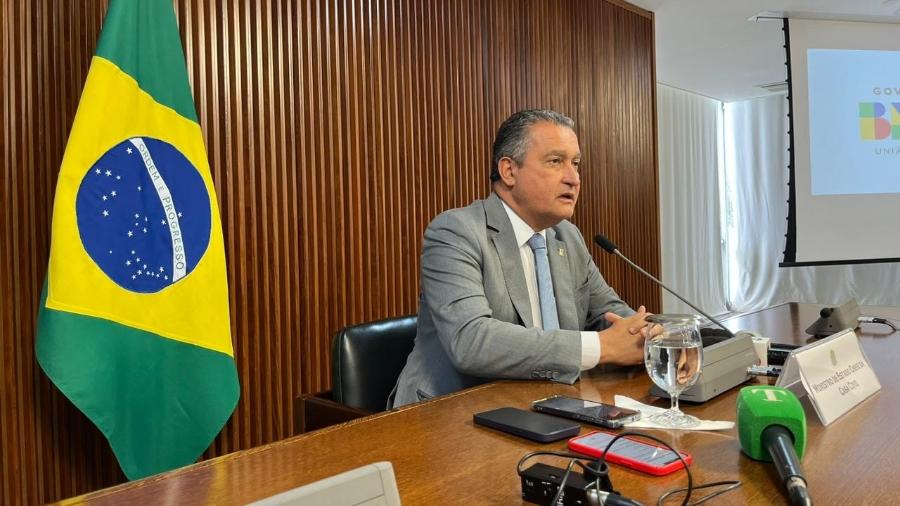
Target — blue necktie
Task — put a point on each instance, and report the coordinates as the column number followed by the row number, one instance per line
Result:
column 545, row 283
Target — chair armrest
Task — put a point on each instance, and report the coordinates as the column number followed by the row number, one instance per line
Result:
column 316, row 411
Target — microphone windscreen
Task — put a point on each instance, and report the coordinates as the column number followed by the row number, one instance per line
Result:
column 761, row 406
column 605, row 243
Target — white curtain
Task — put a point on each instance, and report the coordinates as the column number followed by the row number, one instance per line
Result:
column 756, row 193
column 690, row 232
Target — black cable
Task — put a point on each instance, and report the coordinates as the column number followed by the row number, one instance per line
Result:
column 602, row 465
column 574, row 459
column 553, row 453
column 562, row 482
column 690, row 488
column 885, row 321
column 875, row 319
column 732, row 484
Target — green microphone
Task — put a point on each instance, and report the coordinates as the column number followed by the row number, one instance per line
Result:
column 772, row 428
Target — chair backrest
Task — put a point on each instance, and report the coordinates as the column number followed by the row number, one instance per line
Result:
column 367, row 359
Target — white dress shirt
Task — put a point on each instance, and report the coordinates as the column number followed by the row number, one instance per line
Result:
column 590, row 341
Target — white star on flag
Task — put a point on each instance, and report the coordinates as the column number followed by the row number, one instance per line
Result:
column 113, row 193
column 128, row 150
column 104, row 197
column 108, row 172
column 130, row 233
column 105, row 212
column 97, row 171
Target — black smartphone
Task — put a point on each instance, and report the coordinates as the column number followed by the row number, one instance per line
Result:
column 534, row 426
column 596, row 413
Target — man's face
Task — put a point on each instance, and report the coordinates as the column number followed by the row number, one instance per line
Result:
column 544, row 188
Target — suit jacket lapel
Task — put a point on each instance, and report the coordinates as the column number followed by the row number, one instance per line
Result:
column 562, row 282
column 504, row 240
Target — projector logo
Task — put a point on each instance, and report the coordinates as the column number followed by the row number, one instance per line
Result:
column 879, row 121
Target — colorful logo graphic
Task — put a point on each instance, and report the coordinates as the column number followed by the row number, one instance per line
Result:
column 876, row 123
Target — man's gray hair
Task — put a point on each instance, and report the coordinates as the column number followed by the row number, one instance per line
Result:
column 512, row 136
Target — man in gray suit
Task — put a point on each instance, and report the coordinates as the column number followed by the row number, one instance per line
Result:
column 508, row 288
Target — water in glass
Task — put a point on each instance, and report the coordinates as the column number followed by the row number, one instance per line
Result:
column 674, row 356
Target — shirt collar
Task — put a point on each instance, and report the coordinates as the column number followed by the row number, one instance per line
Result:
column 522, row 230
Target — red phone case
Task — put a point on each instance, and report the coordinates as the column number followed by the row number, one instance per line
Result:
column 582, row 444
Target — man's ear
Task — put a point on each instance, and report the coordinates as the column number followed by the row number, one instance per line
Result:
column 507, row 169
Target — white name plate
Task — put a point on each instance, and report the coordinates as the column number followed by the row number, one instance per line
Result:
column 833, row 372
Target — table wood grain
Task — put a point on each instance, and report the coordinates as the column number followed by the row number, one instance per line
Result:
column 440, row 457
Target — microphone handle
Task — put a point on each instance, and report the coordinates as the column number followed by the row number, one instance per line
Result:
column 660, row 283
column 778, row 441
column 604, row 498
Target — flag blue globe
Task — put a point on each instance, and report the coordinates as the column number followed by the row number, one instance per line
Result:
column 143, row 214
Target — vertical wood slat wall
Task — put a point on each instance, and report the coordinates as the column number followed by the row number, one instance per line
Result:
column 336, row 130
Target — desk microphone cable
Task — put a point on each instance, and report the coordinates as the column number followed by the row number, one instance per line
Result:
column 875, row 319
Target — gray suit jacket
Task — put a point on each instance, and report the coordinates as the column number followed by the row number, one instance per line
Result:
column 475, row 320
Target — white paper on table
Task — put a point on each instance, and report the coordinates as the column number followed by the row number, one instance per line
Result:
column 647, row 411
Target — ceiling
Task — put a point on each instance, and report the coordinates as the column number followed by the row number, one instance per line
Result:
column 711, row 47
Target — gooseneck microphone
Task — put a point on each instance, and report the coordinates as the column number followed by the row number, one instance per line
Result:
column 772, row 427
column 609, row 247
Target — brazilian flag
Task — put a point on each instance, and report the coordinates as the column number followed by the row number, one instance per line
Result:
column 133, row 324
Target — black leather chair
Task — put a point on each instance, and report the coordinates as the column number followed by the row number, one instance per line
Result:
column 366, row 360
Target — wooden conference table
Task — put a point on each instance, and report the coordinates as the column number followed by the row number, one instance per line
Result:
column 439, row 457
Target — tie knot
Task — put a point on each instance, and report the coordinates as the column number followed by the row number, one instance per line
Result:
column 537, row 242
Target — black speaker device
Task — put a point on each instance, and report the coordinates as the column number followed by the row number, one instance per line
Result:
column 540, row 483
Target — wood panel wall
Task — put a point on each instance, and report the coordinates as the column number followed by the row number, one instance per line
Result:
column 336, row 130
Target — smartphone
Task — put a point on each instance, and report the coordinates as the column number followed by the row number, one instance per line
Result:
column 583, row 410
column 634, row 453
column 527, row 424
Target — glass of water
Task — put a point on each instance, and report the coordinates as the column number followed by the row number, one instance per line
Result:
column 673, row 354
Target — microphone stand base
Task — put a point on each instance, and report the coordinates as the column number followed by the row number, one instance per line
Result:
column 725, row 366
